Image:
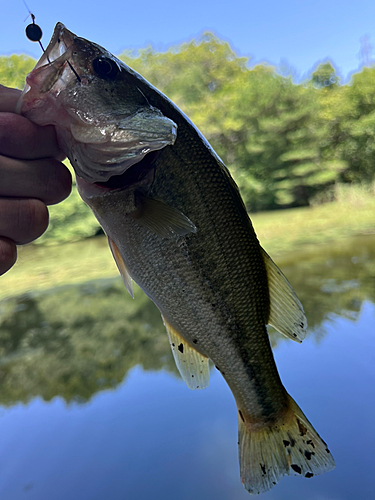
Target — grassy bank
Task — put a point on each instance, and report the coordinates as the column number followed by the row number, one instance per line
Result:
column 279, row 232
column 286, row 230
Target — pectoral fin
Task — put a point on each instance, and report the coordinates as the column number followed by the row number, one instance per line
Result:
column 160, row 218
column 286, row 311
column 192, row 365
column 128, row 282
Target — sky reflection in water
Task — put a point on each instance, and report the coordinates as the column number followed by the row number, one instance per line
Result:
column 151, row 437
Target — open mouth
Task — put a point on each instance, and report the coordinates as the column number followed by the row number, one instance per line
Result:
column 50, row 69
column 61, row 40
column 102, row 140
column 60, row 47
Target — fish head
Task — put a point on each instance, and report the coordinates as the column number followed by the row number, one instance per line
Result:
column 104, row 122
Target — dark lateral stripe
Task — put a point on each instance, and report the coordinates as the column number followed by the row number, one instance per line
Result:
column 270, row 393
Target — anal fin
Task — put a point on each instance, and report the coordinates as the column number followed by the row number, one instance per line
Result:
column 193, row 366
column 286, row 311
column 126, row 278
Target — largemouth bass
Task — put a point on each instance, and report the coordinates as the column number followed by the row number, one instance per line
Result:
column 177, row 226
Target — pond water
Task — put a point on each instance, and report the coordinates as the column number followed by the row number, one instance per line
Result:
column 92, row 407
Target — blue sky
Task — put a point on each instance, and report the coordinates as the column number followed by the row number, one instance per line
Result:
column 299, row 32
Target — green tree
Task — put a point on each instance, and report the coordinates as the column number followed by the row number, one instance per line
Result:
column 193, row 75
column 358, row 128
column 259, row 122
column 283, row 142
column 325, row 76
column 14, row 68
column 269, row 137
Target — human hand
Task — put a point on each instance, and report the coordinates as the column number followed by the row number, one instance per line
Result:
column 31, row 177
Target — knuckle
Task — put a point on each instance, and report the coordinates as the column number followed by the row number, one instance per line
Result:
column 33, row 218
column 59, row 183
column 22, row 220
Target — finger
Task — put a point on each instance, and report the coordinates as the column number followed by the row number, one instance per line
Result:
column 8, row 98
column 48, row 180
column 8, row 255
column 20, row 138
column 22, row 220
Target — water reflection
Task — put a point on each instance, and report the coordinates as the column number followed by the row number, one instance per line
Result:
column 148, row 436
column 334, row 279
column 75, row 341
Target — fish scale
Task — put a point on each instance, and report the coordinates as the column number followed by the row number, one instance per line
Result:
column 177, row 226
column 237, row 288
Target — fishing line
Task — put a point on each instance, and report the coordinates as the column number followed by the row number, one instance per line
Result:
column 74, row 71
column 34, row 33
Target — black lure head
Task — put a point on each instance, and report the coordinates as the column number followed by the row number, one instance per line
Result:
column 33, row 32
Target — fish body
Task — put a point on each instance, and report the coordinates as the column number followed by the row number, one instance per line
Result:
column 177, row 226
column 218, row 301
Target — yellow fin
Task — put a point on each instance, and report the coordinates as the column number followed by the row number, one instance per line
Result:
column 126, row 278
column 286, row 311
column 192, row 365
column 289, row 447
column 160, row 218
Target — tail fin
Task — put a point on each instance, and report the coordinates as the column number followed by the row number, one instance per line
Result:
column 291, row 446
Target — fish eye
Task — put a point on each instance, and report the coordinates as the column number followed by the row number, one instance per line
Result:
column 105, row 68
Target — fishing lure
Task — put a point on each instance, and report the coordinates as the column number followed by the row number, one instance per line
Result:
column 34, row 33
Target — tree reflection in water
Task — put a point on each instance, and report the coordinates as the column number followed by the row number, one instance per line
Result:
column 74, row 341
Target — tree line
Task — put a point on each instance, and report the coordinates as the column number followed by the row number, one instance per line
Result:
column 286, row 144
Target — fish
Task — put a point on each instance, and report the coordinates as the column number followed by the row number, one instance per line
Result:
column 177, row 226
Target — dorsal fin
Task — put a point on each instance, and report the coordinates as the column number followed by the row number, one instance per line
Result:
column 192, row 365
column 126, row 278
column 286, row 311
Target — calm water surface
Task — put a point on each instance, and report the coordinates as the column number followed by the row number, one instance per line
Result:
column 92, row 408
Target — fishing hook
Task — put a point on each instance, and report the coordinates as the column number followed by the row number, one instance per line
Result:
column 34, row 34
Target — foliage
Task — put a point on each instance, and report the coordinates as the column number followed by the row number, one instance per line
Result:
column 75, row 341
column 260, row 123
column 13, row 70
column 282, row 142
column 358, row 127
column 324, row 76
column 286, row 144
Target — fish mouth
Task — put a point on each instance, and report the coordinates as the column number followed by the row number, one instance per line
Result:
column 48, row 70
column 59, row 91
column 58, row 46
